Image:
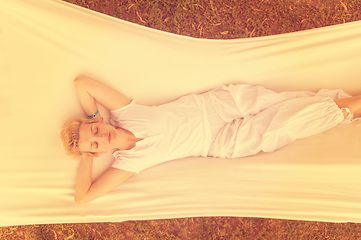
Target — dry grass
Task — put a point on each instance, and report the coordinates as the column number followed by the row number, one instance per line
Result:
column 226, row 19
column 220, row 228
column 214, row 19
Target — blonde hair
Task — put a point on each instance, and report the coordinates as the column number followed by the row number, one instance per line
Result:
column 70, row 136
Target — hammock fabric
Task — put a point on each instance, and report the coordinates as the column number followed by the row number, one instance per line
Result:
column 45, row 44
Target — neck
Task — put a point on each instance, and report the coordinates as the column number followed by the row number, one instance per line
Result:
column 127, row 139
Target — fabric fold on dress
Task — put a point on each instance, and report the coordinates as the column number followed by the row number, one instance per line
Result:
column 277, row 126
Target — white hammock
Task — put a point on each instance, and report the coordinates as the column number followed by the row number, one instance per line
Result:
column 45, row 44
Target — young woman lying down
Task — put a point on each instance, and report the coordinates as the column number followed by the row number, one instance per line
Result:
column 227, row 122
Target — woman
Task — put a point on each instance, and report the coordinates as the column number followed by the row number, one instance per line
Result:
column 228, row 121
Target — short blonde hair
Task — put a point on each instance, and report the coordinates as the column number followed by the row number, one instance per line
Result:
column 70, row 136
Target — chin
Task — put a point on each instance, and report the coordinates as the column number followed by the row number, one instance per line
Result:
column 102, row 153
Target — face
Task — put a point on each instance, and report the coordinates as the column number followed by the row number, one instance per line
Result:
column 97, row 137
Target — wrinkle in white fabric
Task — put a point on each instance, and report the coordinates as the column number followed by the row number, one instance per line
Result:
column 277, row 126
column 264, row 120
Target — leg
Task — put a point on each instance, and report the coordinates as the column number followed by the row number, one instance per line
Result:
column 277, row 126
column 241, row 100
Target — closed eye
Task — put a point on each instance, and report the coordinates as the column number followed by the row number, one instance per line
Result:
column 94, row 130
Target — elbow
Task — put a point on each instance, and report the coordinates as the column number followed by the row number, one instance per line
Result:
column 78, row 81
column 78, row 200
column 83, row 199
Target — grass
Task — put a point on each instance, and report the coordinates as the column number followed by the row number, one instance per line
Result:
column 229, row 19
column 220, row 228
column 213, row 19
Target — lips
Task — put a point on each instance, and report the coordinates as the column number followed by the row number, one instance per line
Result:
column 109, row 137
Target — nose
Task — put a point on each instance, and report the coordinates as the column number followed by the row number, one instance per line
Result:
column 101, row 137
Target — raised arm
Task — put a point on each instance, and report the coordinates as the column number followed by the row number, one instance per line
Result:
column 90, row 90
column 86, row 190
